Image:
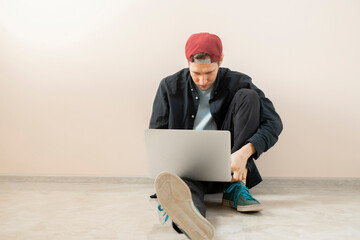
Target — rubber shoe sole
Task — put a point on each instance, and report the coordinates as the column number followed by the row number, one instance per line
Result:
column 175, row 198
column 248, row 208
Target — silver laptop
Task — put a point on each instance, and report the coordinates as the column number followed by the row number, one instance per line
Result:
column 202, row 155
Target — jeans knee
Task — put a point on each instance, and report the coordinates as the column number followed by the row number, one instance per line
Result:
column 248, row 96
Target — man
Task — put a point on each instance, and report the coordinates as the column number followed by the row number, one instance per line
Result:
column 207, row 97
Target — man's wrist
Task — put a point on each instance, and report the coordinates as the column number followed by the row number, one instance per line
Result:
column 250, row 149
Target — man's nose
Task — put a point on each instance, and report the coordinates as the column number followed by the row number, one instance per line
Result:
column 202, row 80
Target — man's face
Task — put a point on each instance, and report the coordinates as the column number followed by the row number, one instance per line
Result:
column 204, row 74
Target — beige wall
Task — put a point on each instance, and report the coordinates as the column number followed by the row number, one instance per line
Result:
column 77, row 79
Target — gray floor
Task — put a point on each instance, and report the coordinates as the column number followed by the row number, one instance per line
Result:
column 113, row 209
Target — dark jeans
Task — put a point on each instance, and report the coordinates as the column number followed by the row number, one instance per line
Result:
column 242, row 120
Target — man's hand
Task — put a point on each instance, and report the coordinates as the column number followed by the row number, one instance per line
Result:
column 239, row 160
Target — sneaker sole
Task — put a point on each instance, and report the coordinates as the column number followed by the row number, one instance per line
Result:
column 248, row 208
column 175, row 198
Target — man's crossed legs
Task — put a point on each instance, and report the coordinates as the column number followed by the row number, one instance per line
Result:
column 183, row 199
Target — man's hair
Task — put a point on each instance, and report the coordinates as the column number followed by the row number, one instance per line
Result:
column 200, row 56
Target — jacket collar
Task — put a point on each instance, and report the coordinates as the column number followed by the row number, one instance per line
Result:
column 215, row 86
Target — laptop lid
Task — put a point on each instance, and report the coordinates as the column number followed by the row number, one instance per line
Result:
column 202, row 155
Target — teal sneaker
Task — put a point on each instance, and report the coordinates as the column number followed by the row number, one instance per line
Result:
column 163, row 217
column 176, row 203
column 237, row 196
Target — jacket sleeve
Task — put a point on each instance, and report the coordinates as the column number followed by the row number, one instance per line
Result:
column 270, row 125
column 160, row 111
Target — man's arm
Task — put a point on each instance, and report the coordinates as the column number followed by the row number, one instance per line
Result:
column 160, row 111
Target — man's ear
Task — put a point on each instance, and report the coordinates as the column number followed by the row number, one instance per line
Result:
column 221, row 60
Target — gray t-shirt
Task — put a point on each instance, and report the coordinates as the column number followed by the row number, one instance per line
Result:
column 204, row 119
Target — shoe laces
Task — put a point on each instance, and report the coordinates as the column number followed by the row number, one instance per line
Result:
column 236, row 190
column 163, row 217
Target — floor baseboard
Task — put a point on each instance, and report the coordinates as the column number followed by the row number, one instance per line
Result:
column 145, row 180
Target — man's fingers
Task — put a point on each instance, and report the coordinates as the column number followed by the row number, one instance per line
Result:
column 236, row 175
column 244, row 175
column 239, row 176
column 233, row 166
column 243, row 179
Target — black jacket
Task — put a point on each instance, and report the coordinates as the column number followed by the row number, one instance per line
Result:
column 175, row 105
